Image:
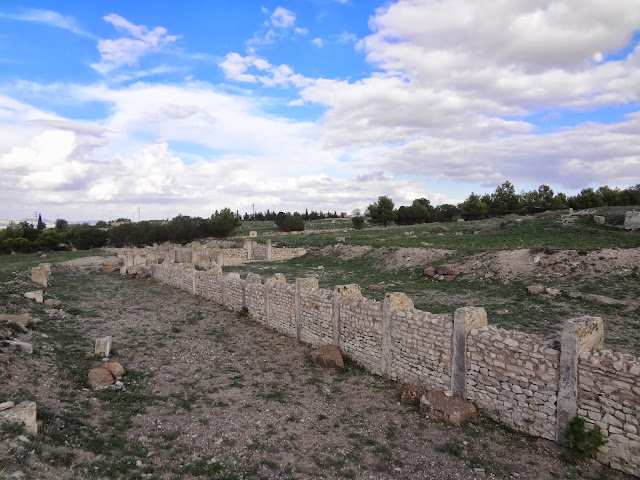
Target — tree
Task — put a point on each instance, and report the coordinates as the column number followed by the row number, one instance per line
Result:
column 61, row 225
column 357, row 222
column 102, row 224
column 445, row 213
column 473, row 207
column 41, row 225
column 587, row 198
column 505, row 200
column 418, row 212
column 288, row 223
column 224, row 223
column 382, row 211
column 49, row 240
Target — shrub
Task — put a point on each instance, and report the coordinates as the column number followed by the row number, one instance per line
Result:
column 358, row 222
column 582, row 442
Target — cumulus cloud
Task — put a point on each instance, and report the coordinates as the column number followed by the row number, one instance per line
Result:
column 48, row 17
column 282, row 18
column 318, row 42
column 128, row 50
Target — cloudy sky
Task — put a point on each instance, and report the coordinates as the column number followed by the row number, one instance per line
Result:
column 188, row 107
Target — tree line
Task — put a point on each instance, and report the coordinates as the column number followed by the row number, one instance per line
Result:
column 24, row 237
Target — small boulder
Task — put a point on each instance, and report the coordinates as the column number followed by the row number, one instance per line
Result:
column 631, row 220
column 21, row 320
column 25, row 414
column 448, row 408
column 26, row 347
column 37, row 295
column 114, row 368
column 603, row 300
column 377, row 287
column 429, row 271
column 52, row 302
column 554, row 292
column 327, row 356
column 100, row 377
column 411, row 394
column 599, row 219
column 535, row 289
column 108, row 269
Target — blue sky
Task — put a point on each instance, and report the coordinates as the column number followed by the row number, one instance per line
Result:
column 321, row 104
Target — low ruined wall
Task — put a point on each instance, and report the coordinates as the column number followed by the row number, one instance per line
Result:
column 516, row 378
column 608, row 391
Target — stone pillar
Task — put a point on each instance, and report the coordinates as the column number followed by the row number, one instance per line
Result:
column 226, row 280
column 128, row 259
column 578, row 335
column 193, row 282
column 307, row 283
column 277, row 278
column 219, row 258
column 252, row 279
column 248, row 244
column 268, row 255
column 340, row 292
column 393, row 302
column 464, row 320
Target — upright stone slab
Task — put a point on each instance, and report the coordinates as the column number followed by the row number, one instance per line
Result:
column 103, row 346
column 269, row 250
column 578, row 335
column 631, row 220
column 253, row 233
column 302, row 284
column 219, row 257
column 252, row 279
column 341, row 292
column 393, row 302
column 269, row 282
column 248, row 247
column 129, row 259
column 464, row 320
column 39, row 275
column 37, row 295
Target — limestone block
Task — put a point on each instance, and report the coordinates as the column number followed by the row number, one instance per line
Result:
column 100, row 377
column 39, row 275
column 6, row 406
column 347, row 291
column 398, row 302
column 253, row 234
column 26, row 347
column 37, row 295
column 21, row 320
column 535, row 289
column 103, row 346
column 599, row 219
column 108, row 269
column 307, row 283
column 123, row 270
column 52, row 302
column 340, row 239
column 631, row 220
column 450, row 409
column 327, row 356
column 24, row 413
column 114, row 368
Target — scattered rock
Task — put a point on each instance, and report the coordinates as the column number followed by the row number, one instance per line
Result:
column 411, row 394
column 6, row 405
column 445, row 273
column 450, row 409
column 535, row 289
column 114, row 368
column 503, row 311
column 100, row 378
column 554, row 292
column 26, row 347
column 52, row 302
column 108, row 269
column 631, row 220
column 37, row 295
column 340, row 239
column 378, row 287
column 103, row 346
column 603, row 300
column 22, row 414
column 536, row 259
column 599, row 219
column 328, row 356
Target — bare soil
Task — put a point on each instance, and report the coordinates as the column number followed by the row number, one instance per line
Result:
column 212, row 394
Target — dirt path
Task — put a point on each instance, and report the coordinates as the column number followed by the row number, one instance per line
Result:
column 211, row 394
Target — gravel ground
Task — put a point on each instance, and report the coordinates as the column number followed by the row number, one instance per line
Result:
column 211, row 394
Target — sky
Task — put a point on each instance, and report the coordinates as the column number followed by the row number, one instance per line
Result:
column 188, row 107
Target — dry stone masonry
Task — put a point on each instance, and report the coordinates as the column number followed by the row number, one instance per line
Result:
column 519, row 379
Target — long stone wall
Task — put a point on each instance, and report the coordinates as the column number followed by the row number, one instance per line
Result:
column 516, row 378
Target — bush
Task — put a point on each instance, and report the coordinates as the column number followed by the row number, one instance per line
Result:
column 288, row 223
column 358, row 222
column 582, row 442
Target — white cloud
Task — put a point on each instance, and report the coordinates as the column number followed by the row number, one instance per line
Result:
column 283, row 18
column 128, row 50
column 235, row 67
column 49, row 17
column 301, row 31
column 318, row 42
